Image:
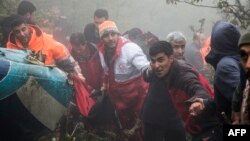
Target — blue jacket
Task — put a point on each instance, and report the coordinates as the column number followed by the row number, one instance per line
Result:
column 224, row 57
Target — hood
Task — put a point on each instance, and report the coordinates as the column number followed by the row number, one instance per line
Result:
column 37, row 30
column 224, row 42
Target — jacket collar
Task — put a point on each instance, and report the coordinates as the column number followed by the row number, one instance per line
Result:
column 36, row 32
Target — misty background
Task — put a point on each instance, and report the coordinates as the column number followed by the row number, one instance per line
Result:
column 149, row 15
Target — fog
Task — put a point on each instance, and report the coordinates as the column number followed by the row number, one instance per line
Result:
column 149, row 15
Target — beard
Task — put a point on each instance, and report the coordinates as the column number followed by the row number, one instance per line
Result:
column 25, row 40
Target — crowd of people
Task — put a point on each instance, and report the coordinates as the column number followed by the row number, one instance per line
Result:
column 156, row 87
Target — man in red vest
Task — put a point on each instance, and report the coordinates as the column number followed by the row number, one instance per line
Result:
column 123, row 63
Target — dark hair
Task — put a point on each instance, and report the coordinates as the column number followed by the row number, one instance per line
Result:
column 134, row 33
column 77, row 39
column 161, row 46
column 150, row 38
column 90, row 33
column 25, row 7
column 101, row 13
column 16, row 20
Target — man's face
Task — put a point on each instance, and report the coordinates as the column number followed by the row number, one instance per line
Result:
column 79, row 49
column 161, row 64
column 178, row 49
column 98, row 21
column 22, row 33
column 245, row 58
column 201, row 39
column 110, row 39
column 28, row 16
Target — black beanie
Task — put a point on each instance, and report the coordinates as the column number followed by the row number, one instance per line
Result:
column 245, row 38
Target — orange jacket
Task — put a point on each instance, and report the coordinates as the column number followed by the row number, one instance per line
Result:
column 205, row 49
column 51, row 49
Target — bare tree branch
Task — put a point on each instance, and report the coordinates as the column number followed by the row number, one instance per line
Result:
column 234, row 11
column 198, row 5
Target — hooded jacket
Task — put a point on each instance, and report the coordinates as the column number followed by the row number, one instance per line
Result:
column 40, row 41
column 224, row 57
column 52, row 51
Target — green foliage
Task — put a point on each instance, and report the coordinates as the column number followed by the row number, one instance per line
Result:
column 196, row 1
column 175, row 1
column 171, row 1
column 8, row 7
column 236, row 12
column 223, row 3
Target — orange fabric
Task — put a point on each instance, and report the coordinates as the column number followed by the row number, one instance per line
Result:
column 51, row 49
column 205, row 49
column 107, row 26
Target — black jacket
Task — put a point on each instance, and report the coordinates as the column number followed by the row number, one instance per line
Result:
column 169, row 98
